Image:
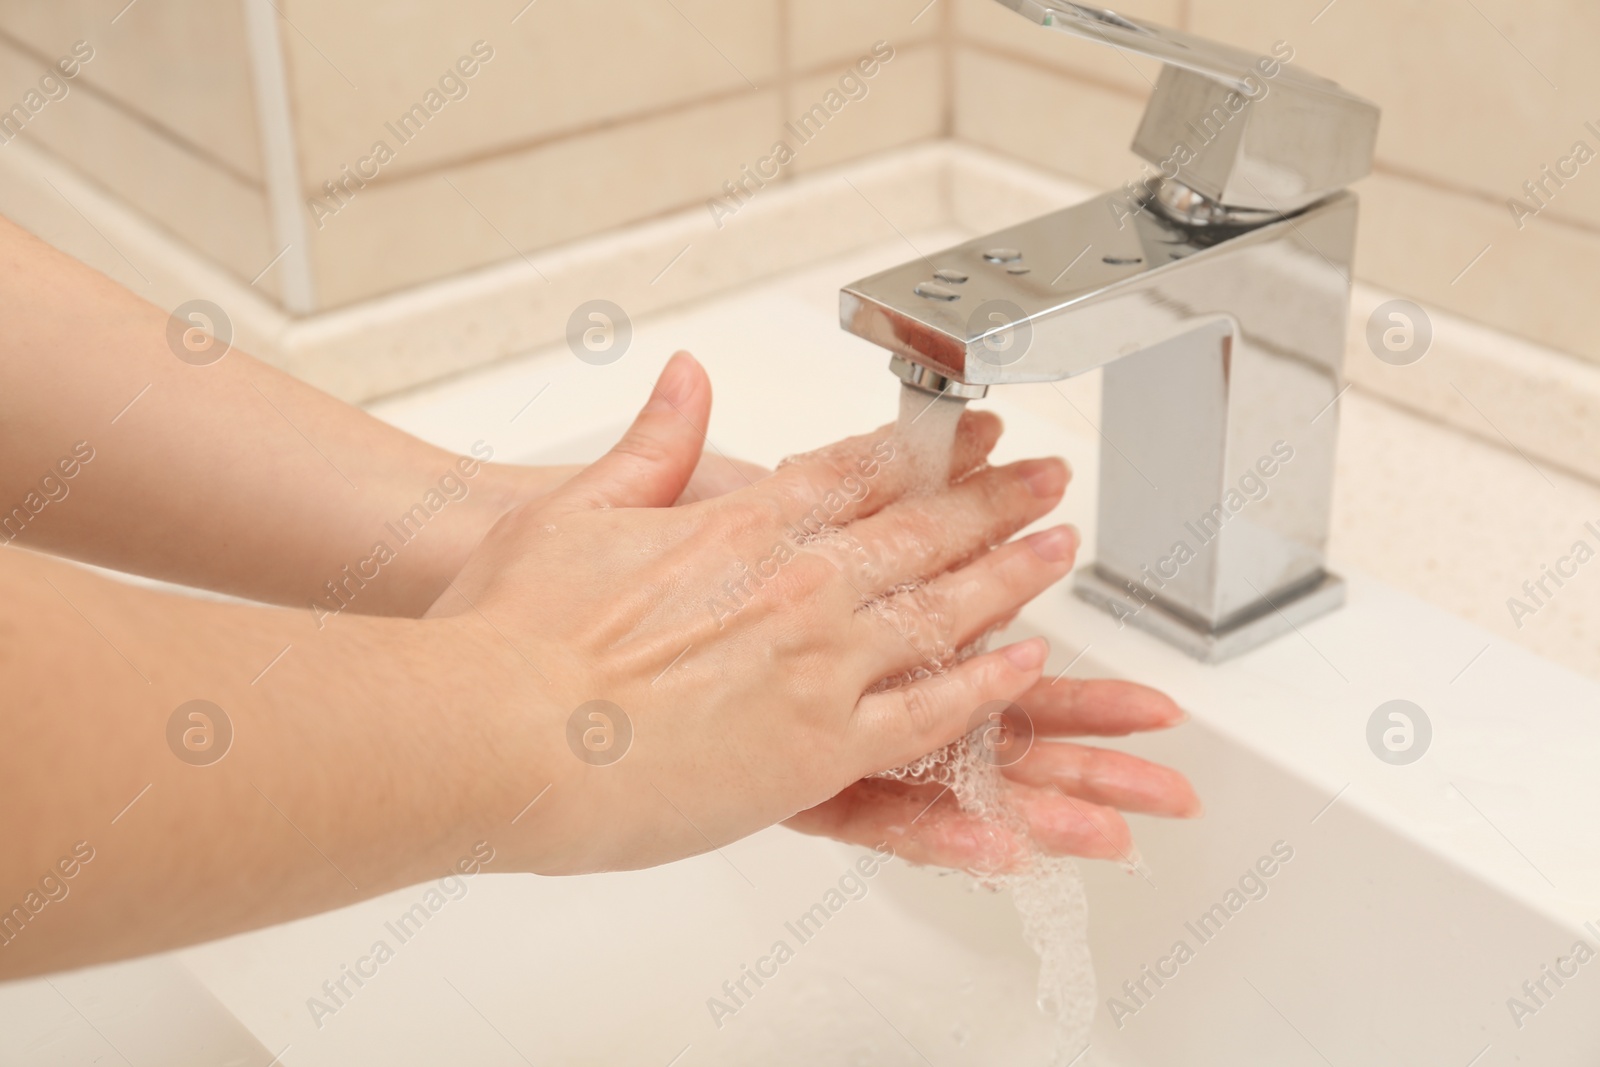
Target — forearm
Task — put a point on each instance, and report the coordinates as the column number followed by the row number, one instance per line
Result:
column 346, row 775
column 229, row 476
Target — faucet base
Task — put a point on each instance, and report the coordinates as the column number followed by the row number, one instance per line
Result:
column 1276, row 618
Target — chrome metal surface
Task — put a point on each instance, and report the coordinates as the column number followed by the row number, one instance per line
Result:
column 1207, row 645
column 1220, row 327
column 932, row 381
column 1252, row 131
column 1194, row 208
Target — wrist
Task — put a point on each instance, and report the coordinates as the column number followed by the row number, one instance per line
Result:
column 504, row 706
column 433, row 538
column 506, row 485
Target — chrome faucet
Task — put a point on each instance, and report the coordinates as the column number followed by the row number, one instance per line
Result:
column 1213, row 291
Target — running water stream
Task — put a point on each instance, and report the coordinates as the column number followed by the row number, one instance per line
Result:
column 1047, row 890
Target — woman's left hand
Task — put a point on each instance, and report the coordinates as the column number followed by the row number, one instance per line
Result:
column 1069, row 796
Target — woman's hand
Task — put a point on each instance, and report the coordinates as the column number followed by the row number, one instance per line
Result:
column 733, row 638
column 1068, row 795
column 735, row 659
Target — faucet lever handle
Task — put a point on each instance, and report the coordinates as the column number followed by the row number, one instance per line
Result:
column 1247, row 131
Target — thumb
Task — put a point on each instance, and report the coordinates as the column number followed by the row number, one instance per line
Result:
column 652, row 463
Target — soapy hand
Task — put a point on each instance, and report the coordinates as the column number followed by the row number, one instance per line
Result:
column 1068, row 795
column 734, row 639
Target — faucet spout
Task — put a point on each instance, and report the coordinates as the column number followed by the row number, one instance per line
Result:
column 1214, row 295
column 1221, row 341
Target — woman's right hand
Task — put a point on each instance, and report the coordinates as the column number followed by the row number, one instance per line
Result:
column 738, row 662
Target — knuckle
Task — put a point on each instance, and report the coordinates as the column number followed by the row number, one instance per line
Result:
column 998, row 488
column 1020, row 569
column 920, row 709
column 989, row 675
column 835, row 465
column 745, row 519
column 789, row 491
column 806, row 581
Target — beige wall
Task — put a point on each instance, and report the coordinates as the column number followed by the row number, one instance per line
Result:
column 581, row 121
column 585, row 120
column 163, row 114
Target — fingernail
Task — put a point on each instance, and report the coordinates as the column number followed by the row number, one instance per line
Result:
column 1045, row 478
column 672, row 388
column 1054, row 545
column 1029, row 654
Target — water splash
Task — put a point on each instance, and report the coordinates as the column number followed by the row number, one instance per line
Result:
column 1047, row 890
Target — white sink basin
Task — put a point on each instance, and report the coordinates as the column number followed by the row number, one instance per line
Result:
column 1417, row 900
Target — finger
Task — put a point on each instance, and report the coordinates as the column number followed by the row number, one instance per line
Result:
column 653, row 462
column 919, row 823
column 1068, row 707
column 919, row 536
column 928, row 624
column 925, row 824
column 1102, row 776
column 860, row 475
column 1067, row 826
column 896, row 726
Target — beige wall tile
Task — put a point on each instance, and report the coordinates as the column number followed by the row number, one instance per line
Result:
column 216, row 212
column 1051, row 120
column 401, row 233
column 988, row 23
column 563, row 66
column 904, row 103
column 1464, row 92
column 823, row 32
column 1486, row 382
column 1538, row 282
column 179, row 64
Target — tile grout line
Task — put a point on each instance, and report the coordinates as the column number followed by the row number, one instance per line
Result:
column 269, row 79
